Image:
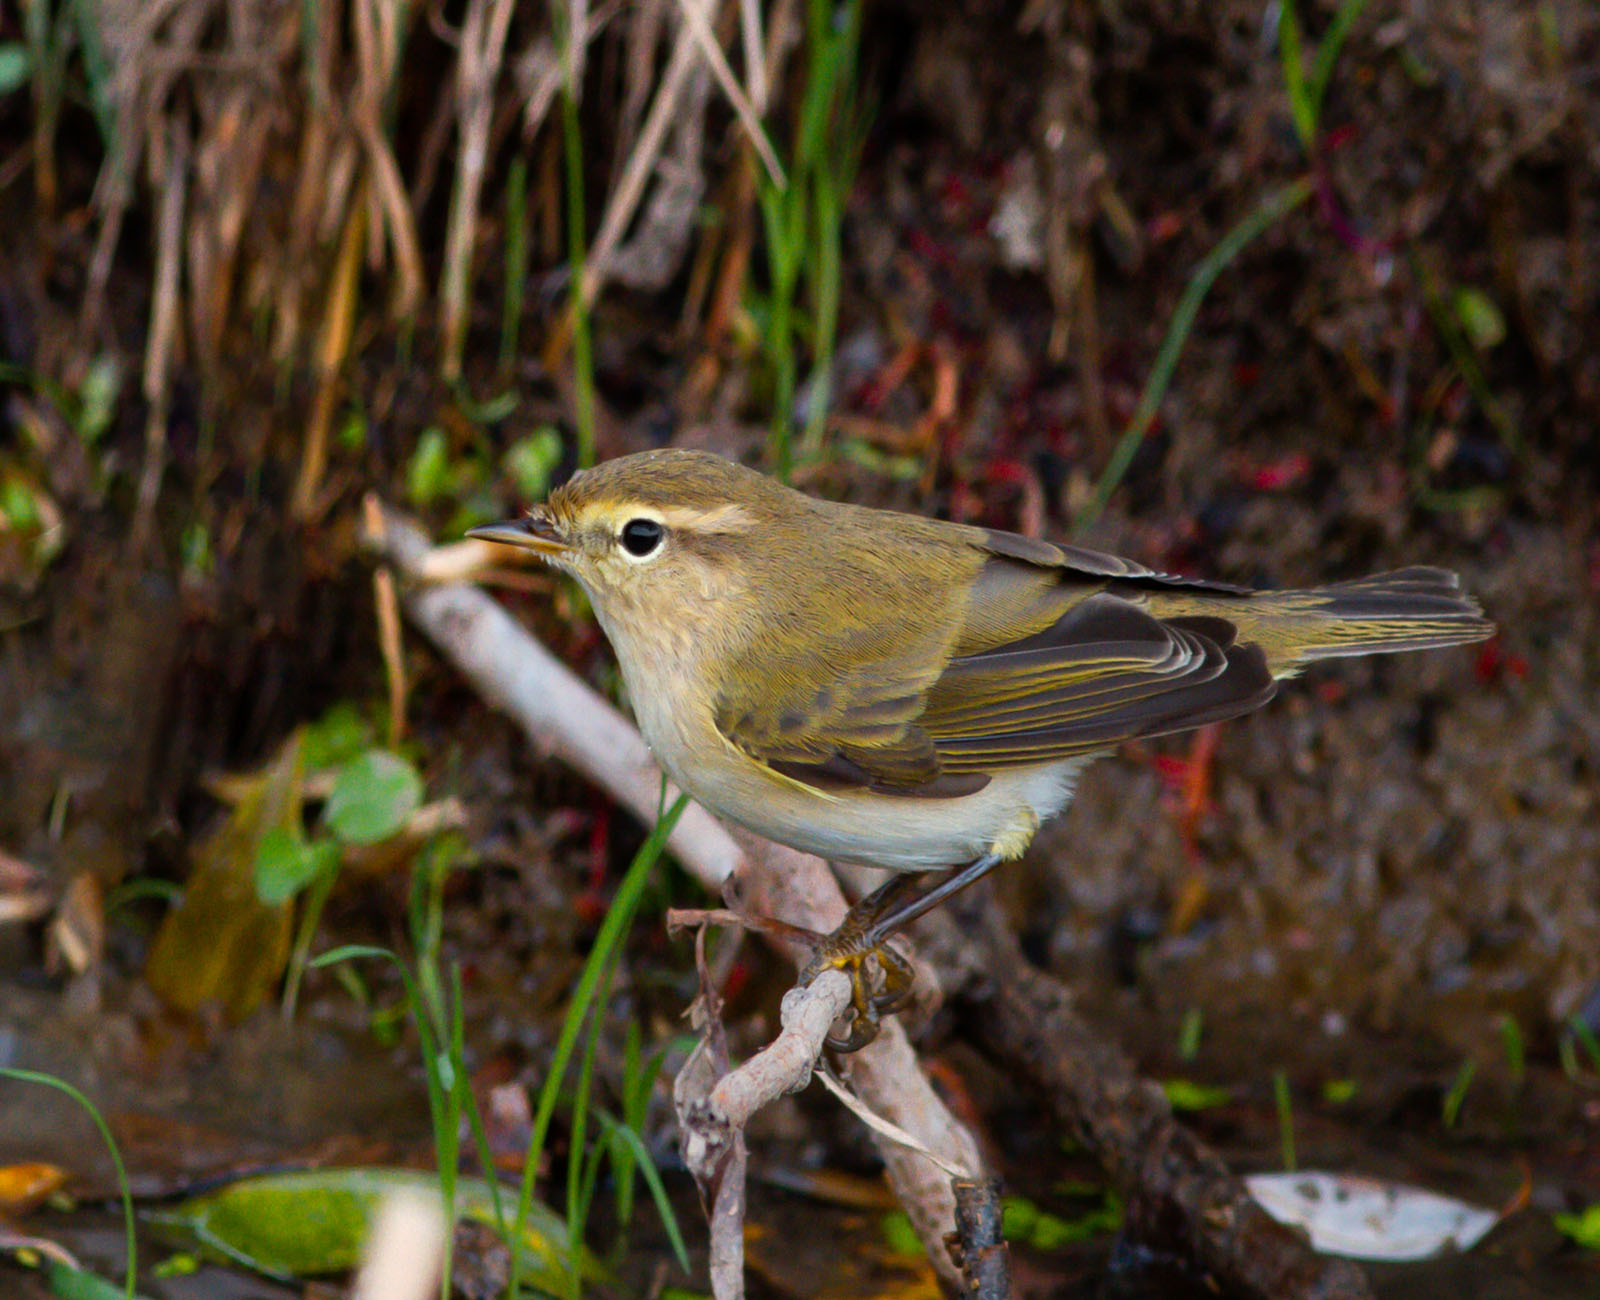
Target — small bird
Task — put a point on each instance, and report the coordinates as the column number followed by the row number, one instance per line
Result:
column 906, row 693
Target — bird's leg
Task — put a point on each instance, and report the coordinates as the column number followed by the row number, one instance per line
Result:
column 863, row 933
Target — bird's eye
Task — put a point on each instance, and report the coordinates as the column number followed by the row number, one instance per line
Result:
column 641, row 536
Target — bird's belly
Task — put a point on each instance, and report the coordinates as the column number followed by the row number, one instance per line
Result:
column 898, row 832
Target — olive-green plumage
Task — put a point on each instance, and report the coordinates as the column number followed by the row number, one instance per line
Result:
column 911, row 693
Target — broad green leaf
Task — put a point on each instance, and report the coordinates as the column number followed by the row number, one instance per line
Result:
column 532, row 460
column 336, row 737
column 70, row 1283
column 373, row 796
column 428, row 477
column 312, row 1223
column 286, row 862
column 1583, row 1228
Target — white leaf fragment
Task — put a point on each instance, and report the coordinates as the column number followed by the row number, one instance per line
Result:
column 1368, row 1218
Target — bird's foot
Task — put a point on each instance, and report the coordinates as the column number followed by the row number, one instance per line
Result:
column 868, row 1004
column 862, row 936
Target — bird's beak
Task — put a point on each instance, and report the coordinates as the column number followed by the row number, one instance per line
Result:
column 532, row 532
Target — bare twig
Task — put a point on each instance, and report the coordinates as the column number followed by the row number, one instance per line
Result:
column 982, row 1246
column 715, row 1103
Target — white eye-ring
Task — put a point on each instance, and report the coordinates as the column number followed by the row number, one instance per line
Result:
column 641, row 538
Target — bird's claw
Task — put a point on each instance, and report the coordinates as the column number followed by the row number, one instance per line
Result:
column 850, row 953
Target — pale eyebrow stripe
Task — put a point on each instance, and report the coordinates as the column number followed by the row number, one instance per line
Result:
column 729, row 518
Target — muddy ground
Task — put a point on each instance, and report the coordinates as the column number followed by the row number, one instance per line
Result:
column 1378, row 874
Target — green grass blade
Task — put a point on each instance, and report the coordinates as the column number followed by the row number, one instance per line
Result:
column 652, row 1177
column 1294, row 77
column 1285, row 1107
column 1328, row 54
column 516, row 260
column 1267, row 214
column 426, row 1040
column 61, row 1085
column 613, row 929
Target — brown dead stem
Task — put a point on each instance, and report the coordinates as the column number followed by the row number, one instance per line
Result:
column 478, row 64
column 379, row 38
column 333, row 347
column 148, row 46
column 172, row 157
column 665, row 111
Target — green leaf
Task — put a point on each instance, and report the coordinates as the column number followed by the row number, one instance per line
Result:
column 491, row 410
column 532, row 460
column 68, row 1283
column 286, row 862
column 98, row 397
column 336, row 737
column 899, row 1235
column 1338, row 1092
column 1583, row 1228
column 1294, row 78
column 1187, row 1095
column 1024, row 1221
column 1328, row 52
column 310, row 1223
column 19, row 508
column 428, row 477
column 646, row 1165
column 352, row 435
column 373, row 796
column 195, row 547
column 15, row 67
column 1480, row 319
column 183, row 1263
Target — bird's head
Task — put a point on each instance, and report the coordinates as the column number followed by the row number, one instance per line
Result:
column 654, row 531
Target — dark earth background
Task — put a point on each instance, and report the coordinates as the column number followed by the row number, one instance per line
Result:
column 1384, row 868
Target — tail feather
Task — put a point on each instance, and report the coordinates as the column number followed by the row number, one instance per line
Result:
column 1409, row 609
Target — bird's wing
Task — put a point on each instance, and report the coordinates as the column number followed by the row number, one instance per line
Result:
column 1104, row 672
column 844, row 714
column 1061, row 655
column 1044, row 663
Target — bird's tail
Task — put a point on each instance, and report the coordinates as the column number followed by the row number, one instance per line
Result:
column 1409, row 609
